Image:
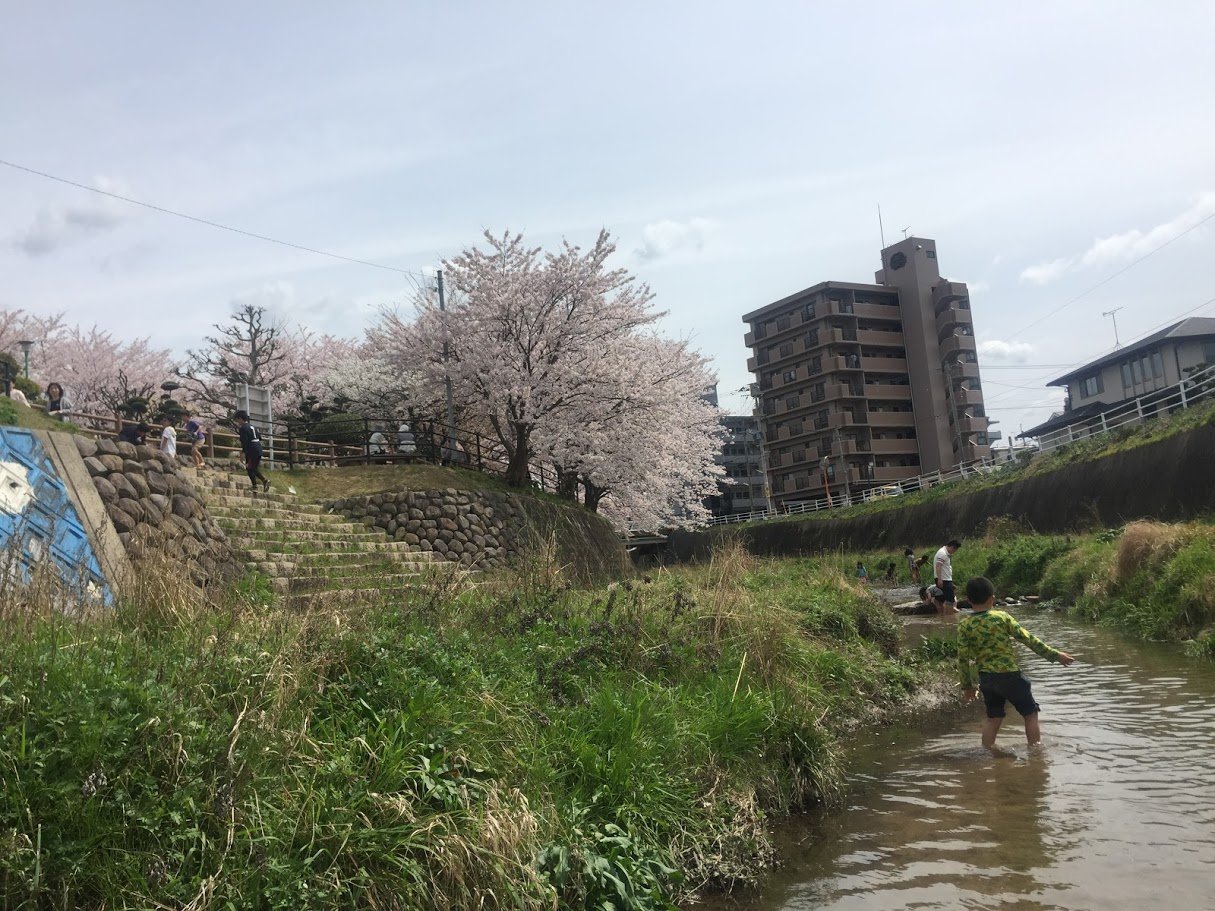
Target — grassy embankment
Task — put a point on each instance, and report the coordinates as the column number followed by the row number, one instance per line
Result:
column 1152, row 580
column 1081, row 451
column 14, row 414
column 522, row 744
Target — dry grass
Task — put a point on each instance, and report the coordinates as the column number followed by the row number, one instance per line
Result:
column 1145, row 545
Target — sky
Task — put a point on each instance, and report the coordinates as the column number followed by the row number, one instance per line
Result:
column 737, row 153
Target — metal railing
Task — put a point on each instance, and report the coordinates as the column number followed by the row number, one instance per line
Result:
column 1171, row 399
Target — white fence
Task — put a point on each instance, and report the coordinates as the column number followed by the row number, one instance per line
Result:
column 1199, row 387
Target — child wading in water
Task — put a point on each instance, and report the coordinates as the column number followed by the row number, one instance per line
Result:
column 986, row 660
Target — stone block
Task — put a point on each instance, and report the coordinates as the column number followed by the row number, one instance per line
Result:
column 85, row 446
column 130, row 466
column 123, row 523
column 105, row 490
column 95, row 467
column 184, row 506
column 447, row 525
column 409, row 537
column 123, row 486
column 140, row 483
column 111, row 462
column 107, row 447
column 156, row 482
column 125, row 449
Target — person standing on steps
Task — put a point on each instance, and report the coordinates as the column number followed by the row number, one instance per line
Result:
column 988, row 664
column 198, row 436
column 251, row 446
column 168, row 437
column 942, row 570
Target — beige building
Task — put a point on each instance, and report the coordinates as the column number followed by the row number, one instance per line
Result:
column 1135, row 377
column 862, row 385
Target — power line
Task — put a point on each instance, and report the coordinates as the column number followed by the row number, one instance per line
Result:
column 204, row 221
column 1109, row 278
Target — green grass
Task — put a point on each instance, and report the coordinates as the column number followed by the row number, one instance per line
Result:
column 523, row 742
column 14, row 414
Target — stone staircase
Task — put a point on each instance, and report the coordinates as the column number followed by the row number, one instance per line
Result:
column 307, row 553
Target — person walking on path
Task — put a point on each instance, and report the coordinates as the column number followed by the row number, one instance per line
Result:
column 198, row 436
column 168, row 437
column 987, row 662
column 861, row 572
column 251, row 446
column 942, row 570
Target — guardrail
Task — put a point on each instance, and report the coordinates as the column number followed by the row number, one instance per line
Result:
column 1147, row 407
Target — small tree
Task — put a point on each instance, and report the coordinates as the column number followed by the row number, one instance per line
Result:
column 246, row 349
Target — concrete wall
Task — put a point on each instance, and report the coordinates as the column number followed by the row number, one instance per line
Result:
column 490, row 529
column 1170, row 480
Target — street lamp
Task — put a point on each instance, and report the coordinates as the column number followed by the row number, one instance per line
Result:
column 25, row 349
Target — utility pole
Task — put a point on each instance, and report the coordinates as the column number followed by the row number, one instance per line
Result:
column 844, row 466
column 952, row 372
column 449, row 433
column 1113, row 315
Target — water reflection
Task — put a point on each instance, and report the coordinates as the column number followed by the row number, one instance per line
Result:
column 1116, row 811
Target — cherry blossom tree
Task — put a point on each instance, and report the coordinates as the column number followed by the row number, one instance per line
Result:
column 521, row 332
column 643, row 447
column 100, row 374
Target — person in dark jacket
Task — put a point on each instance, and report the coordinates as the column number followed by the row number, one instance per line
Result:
column 251, row 446
column 134, row 433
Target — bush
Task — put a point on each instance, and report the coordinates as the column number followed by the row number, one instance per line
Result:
column 347, row 429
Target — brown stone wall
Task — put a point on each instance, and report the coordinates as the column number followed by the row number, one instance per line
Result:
column 490, row 529
column 156, row 510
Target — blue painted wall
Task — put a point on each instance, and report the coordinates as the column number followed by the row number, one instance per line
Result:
column 38, row 518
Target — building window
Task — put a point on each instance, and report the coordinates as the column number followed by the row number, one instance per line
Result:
column 792, row 402
column 1092, row 385
column 795, row 428
column 845, row 306
column 820, row 421
column 786, row 349
column 1208, row 352
column 759, row 330
column 764, row 356
column 980, row 439
column 782, row 323
column 1157, row 365
column 801, row 481
column 788, row 376
column 818, row 392
column 799, row 455
column 811, row 338
column 931, row 254
column 816, row 364
column 808, row 313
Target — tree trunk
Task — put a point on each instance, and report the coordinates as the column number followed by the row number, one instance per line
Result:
column 567, row 484
column 518, row 469
column 592, row 495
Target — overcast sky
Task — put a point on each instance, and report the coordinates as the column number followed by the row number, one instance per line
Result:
column 736, row 151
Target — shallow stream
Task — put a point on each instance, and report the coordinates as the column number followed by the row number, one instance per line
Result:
column 1116, row 809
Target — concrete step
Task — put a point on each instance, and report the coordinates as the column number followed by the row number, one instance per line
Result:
column 239, row 505
column 330, row 570
column 291, row 523
column 295, row 537
column 293, row 584
column 337, row 553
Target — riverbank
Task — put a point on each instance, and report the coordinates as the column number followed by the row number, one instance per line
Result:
column 520, row 739
column 1151, row 580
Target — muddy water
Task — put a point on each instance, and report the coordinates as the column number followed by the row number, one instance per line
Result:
column 1116, row 810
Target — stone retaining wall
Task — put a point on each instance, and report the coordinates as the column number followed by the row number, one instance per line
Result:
column 156, row 510
column 489, row 529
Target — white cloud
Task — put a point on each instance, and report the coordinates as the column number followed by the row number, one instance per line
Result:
column 1005, row 352
column 660, row 239
column 1123, row 247
column 56, row 227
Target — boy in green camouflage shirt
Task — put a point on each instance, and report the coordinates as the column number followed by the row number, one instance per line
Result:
column 987, row 662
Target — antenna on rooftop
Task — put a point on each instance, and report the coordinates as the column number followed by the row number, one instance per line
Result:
column 1113, row 315
column 881, row 230
column 906, row 230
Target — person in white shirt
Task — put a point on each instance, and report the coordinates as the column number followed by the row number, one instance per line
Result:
column 168, row 437
column 942, row 569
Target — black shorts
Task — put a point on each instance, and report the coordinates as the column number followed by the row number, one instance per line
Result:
column 1008, row 687
column 947, row 588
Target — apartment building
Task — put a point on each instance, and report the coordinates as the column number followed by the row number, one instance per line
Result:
column 862, row 385
column 1135, row 377
column 741, row 456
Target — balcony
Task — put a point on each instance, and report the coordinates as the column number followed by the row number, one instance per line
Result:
column 963, row 370
column 956, row 344
column 968, row 396
column 887, row 392
column 894, row 447
column 832, row 364
column 880, row 339
column 967, row 424
column 891, row 419
column 950, row 318
column 895, row 473
column 845, row 419
column 884, row 365
column 878, row 311
column 948, row 292
column 844, row 391
column 835, row 335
